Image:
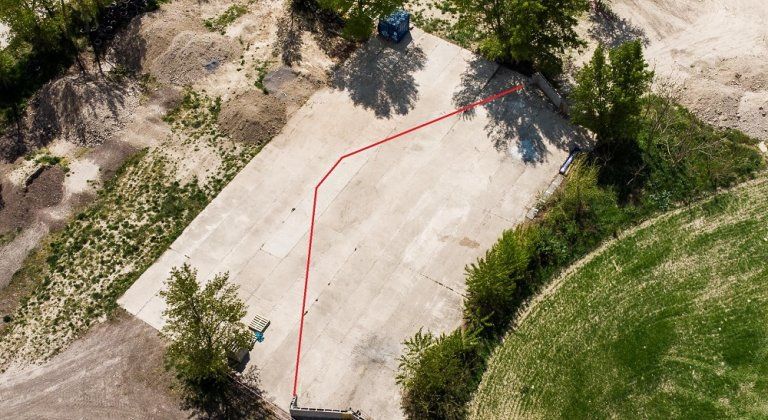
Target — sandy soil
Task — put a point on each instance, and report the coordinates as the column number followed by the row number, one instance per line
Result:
column 716, row 50
column 115, row 371
column 95, row 122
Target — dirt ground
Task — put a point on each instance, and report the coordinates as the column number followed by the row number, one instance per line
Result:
column 715, row 50
column 115, row 371
column 93, row 122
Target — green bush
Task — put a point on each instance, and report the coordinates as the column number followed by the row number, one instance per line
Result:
column 439, row 374
column 686, row 158
column 496, row 284
column 580, row 215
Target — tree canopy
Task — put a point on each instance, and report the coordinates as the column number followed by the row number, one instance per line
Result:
column 608, row 93
column 360, row 15
column 204, row 326
column 528, row 32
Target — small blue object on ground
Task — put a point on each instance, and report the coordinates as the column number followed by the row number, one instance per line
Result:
column 395, row 26
column 259, row 336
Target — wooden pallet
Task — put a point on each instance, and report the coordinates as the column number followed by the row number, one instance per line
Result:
column 259, row 324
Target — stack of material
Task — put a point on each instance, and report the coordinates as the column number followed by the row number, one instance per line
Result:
column 395, row 26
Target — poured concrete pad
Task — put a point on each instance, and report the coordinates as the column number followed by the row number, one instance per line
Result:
column 396, row 224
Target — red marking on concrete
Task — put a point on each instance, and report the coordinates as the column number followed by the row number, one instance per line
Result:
column 317, row 187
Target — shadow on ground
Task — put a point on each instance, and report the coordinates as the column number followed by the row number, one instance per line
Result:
column 611, row 30
column 238, row 398
column 308, row 17
column 521, row 124
column 380, row 76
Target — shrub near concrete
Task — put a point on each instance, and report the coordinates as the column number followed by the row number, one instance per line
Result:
column 578, row 217
column 496, row 282
column 440, row 374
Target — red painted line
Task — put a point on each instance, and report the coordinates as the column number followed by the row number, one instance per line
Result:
column 327, row 174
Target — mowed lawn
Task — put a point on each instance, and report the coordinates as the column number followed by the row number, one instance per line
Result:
column 669, row 321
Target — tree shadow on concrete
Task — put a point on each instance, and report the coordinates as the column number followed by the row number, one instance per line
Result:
column 523, row 124
column 379, row 77
column 611, row 30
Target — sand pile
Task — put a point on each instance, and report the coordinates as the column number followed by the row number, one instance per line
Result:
column 150, row 35
column 730, row 93
column 191, row 56
column 173, row 46
column 252, row 117
column 82, row 109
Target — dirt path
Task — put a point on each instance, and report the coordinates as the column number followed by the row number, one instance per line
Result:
column 115, row 371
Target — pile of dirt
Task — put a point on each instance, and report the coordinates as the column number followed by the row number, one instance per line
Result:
column 253, row 117
column 173, row 46
column 80, row 108
column 150, row 35
column 730, row 93
column 21, row 203
column 191, row 56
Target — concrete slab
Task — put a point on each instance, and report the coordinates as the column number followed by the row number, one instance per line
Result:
column 395, row 226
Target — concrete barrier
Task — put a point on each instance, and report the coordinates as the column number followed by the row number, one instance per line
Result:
column 543, row 84
column 306, row 413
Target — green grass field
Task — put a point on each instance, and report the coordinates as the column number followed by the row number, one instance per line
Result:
column 669, row 321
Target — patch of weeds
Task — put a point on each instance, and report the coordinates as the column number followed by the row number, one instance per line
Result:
column 119, row 73
column 48, row 160
column 462, row 34
column 9, row 236
column 261, row 72
column 220, row 23
column 147, row 83
column 45, row 158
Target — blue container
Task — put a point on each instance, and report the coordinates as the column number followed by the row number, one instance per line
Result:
column 395, row 26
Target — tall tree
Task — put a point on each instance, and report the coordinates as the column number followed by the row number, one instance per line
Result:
column 204, row 326
column 607, row 96
column 532, row 32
